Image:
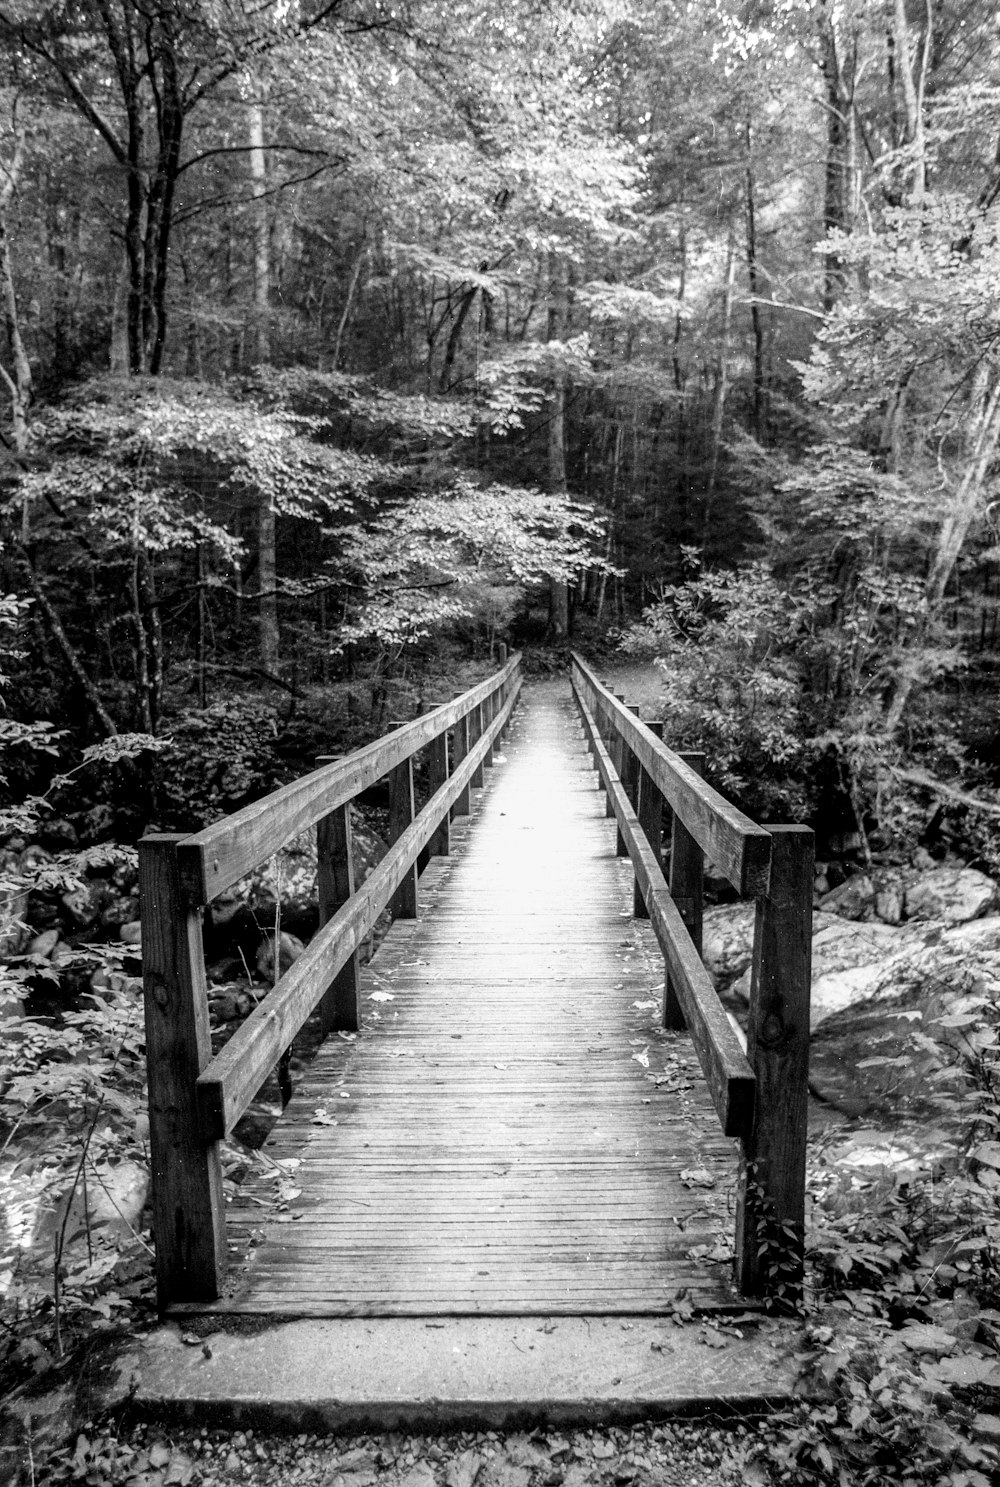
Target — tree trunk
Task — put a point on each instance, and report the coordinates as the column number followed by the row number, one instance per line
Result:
column 558, row 587
column 759, row 419
column 267, row 567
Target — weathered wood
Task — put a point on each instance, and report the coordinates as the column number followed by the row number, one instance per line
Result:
column 188, row 1213
column 499, row 1148
column 217, row 857
column 738, row 847
column 649, row 810
column 687, row 889
column 770, row 1219
column 401, row 815
column 727, row 1072
column 489, row 712
column 463, row 800
column 341, row 1004
column 231, row 1080
column 437, row 775
column 475, row 734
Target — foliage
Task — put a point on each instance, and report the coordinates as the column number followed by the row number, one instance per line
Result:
column 725, row 644
column 217, row 759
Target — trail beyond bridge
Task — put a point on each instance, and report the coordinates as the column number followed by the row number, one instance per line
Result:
column 513, row 1114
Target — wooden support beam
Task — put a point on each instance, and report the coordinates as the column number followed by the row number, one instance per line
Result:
column 340, row 1008
column 189, row 1227
column 738, row 846
column 475, row 734
column 687, row 889
column 437, row 775
column 401, row 815
column 727, row 1073
column 229, row 1083
column 215, row 858
column 462, row 744
column 649, row 809
column 770, row 1216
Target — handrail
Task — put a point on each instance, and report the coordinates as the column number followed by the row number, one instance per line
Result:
column 195, row 1099
column 215, row 858
column 729, row 1076
column 738, row 846
column 762, row 1096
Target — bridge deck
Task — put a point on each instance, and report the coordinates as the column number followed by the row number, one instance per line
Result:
column 512, row 1133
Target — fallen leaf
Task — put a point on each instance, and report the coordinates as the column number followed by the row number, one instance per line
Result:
column 697, row 1177
column 381, row 996
column 642, row 1057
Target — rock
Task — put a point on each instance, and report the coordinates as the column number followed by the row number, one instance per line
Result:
column 849, row 959
column 59, row 835
column 117, row 1196
column 96, row 824
column 954, row 895
column 463, row 1470
column 290, row 947
column 120, row 909
column 727, row 941
column 975, row 936
column 44, row 944
column 83, row 905
column 131, row 933
column 890, row 898
column 33, row 857
column 419, row 1475
column 224, row 1006
column 854, row 899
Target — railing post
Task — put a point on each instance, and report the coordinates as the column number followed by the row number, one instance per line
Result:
column 628, row 773
column 475, row 734
column 502, row 653
column 340, row 1009
column 461, row 749
column 650, row 812
column 189, row 1223
column 770, row 1214
column 437, row 775
column 687, row 882
column 403, row 904
column 489, row 711
column 616, row 748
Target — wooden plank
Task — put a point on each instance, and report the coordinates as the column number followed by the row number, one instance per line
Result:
column 770, row 1221
column 649, row 810
column 554, row 1182
column 463, row 800
column 230, row 1081
column 341, row 1004
column 437, row 775
column 402, row 811
column 217, row 857
column 739, row 848
column 687, row 887
column 188, row 1214
column 728, row 1073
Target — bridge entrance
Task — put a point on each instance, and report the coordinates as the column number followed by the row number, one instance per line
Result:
column 513, row 1131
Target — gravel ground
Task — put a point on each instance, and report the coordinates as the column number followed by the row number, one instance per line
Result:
column 680, row 1454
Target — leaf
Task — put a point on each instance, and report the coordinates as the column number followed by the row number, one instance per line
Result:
column 642, row 1057
column 697, row 1177
column 381, row 996
column 988, row 1152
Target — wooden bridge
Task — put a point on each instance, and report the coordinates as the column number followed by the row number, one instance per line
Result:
column 531, row 1101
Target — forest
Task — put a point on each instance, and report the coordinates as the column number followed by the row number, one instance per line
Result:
column 346, row 340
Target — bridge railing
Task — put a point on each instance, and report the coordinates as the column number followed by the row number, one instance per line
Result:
column 761, row 1095
column 195, row 1099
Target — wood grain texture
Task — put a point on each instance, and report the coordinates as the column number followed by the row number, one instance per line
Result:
column 513, row 1132
column 230, row 1081
column 738, row 846
column 217, row 857
column 188, row 1214
column 772, row 1189
column 728, row 1074
column 687, row 887
column 335, row 884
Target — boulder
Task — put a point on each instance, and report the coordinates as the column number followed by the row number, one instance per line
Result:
column 854, row 899
column 290, row 947
column 952, row 894
column 890, row 899
column 848, row 960
column 727, row 942
column 44, row 944
column 131, row 933
column 975, row 936
column 59, row 835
